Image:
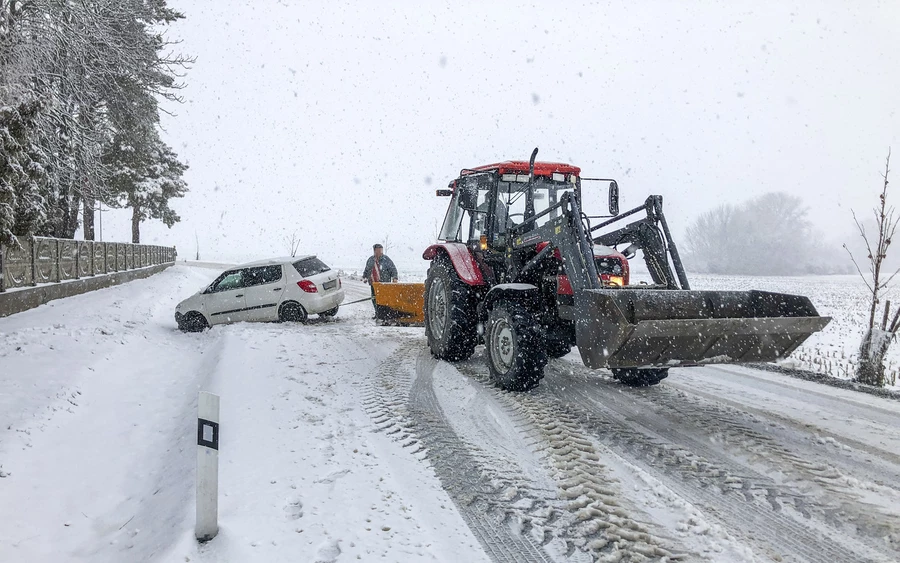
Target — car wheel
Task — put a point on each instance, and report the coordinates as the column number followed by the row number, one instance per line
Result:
column 291, row 311
column 514, row 347
column 449, row 313
column 640, row 377
column 193, row 322
column 329, row 312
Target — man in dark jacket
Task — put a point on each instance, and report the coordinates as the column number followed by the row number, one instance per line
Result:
column 379, row 269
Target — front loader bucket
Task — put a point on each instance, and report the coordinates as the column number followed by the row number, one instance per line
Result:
column 634, row 327
column 402, row 303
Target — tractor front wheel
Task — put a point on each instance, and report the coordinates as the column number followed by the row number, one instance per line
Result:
column 450, row 323
column 514, row 347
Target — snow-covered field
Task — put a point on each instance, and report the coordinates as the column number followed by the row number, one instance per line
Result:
column 845, row 299
column 342, row 441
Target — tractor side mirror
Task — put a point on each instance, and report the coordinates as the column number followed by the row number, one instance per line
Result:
column 444, row 193
column 613, row 198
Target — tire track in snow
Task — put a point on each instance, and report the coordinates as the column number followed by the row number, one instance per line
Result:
column 499, row 511
column 836, row 493
column 585, row 518
column 776, row 519
column 594, row 517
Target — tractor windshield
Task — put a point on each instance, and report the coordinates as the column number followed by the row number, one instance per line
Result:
column 466, row 226
column 513, row 197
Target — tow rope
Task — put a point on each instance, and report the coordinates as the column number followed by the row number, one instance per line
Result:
column 369, row 299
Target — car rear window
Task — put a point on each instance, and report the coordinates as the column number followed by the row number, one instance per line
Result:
column 310, row 267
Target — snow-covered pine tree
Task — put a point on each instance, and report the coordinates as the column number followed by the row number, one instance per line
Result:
column 22, row 175
column 80, row 59
column 144, row 174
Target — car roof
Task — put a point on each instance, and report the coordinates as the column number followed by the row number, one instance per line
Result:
column 273, row 261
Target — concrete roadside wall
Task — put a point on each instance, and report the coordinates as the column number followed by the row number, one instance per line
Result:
column 35, row 270
column 19, row 300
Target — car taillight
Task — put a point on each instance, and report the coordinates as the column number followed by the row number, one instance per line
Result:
column 307, row 286
column 608, row 280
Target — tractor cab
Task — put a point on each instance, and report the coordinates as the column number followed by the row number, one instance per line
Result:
column 489, row 201
column 495, row 207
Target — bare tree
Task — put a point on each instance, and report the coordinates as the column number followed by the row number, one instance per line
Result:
column 877, row 339
column 293, row 243
column 769, row 234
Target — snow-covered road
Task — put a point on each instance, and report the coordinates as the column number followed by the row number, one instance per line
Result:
column 345, row 441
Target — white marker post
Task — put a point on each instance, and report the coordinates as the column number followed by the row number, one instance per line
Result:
column 207, row 467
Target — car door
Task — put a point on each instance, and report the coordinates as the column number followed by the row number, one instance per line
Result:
column 224, row 300
column 263, row 292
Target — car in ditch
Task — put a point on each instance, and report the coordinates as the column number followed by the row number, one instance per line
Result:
column 280, row 289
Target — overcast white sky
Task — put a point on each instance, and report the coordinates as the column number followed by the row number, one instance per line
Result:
column 338, row 120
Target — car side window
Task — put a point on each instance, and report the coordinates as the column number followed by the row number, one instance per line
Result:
column 272, row 274
column 263, row 275
column 228, row 281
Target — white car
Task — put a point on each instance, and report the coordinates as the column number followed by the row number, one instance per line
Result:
column 283, row 289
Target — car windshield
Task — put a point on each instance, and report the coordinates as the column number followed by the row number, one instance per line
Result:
column 310, row 267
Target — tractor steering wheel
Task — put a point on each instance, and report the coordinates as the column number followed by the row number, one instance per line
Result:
column 510, row 223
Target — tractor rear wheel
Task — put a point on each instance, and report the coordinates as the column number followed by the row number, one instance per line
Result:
column 514, row 347
column 450, row 323
column 640, row 377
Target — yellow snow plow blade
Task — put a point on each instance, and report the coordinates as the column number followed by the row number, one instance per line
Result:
column 402, row 303
column 634, row 327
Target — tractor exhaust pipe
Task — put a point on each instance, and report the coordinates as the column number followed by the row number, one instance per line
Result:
column 529, row 194
column 531, row 166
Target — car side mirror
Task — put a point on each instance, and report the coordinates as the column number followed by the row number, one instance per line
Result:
column 613, row 198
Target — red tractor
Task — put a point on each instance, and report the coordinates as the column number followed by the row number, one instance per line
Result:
column 521, row 268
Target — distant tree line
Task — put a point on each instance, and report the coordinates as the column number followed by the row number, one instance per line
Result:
column 768, row 235
column 80, row 86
